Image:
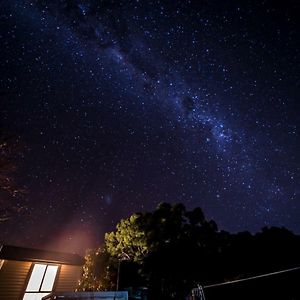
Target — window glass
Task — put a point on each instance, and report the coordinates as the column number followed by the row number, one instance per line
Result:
column 36, row 278
column 49, row 278
column 1, row 263
column 34, row 296
column 41, row 281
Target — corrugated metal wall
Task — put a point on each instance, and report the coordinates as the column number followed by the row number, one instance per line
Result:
column 13, row 276
column 68, row 278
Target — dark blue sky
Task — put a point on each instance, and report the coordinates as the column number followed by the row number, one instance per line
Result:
column 125, row 104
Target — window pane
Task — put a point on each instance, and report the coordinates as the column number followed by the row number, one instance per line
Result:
column 1, row 263
column 49, row 278
column 34, row 296
column 36, row 278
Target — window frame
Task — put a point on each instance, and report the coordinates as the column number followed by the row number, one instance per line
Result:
column 41, row 284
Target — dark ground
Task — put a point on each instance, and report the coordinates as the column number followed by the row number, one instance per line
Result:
column 282, row 286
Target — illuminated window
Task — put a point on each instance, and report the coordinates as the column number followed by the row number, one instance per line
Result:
column 1, row 263
column 41, row 282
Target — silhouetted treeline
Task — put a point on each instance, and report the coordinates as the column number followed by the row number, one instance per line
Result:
column 171, row 250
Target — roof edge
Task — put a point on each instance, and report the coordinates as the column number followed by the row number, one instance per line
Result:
column 10, row 252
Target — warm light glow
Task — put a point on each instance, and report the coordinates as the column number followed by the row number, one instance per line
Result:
column 34, row 296
column 41, row 281
column 1, row 263
column 49, row 278
column 36, row 278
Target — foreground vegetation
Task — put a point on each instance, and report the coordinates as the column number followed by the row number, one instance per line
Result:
column 171, row 250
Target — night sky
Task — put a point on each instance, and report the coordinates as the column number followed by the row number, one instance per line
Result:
column 121, row 105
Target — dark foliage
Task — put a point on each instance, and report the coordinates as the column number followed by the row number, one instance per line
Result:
column 178, row 249
column 10, row 150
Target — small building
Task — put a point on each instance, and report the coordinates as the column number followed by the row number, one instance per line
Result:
column 31, row 274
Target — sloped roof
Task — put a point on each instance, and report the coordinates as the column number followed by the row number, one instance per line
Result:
column 37, row 255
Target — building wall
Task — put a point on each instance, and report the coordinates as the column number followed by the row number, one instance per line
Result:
column 13, row 276
column 68, row 278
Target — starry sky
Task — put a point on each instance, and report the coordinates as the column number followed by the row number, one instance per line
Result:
column 122, row 105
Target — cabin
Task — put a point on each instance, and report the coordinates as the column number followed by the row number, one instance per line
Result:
column 31, row 274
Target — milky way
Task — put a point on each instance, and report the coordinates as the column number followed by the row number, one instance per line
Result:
column 125, row 104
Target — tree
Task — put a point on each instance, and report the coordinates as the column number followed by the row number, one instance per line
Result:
column 9, row 149
column 171, row 250
column 165, row 244
column 129, row 239
column 99, row 271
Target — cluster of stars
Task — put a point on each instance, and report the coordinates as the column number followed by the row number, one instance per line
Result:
column 123, row 105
